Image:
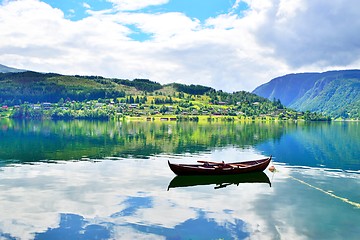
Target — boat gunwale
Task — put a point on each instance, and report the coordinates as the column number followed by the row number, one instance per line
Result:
column 257, row 162
column 220, row 168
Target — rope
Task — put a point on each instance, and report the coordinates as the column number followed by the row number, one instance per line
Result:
column 355, row 204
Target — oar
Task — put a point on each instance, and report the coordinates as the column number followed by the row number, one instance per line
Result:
column 238, row 165
column 219, row 163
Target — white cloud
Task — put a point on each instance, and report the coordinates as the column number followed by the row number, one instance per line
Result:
column 236, row 4
column 86, row 5
column 130, row 5
column 228, row 52
column 163, row 26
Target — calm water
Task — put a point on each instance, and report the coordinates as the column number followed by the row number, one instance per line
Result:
column 110, row 180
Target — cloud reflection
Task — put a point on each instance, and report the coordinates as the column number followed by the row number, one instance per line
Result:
column 73, row 199
column 128, row 199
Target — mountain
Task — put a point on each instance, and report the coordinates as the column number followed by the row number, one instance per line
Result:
column 335, row 93
column 5, row 69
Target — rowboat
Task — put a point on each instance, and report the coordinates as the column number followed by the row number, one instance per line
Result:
column 220, row 181
column 219, row 168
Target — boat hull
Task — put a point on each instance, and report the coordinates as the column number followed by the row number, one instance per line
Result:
column 220, row 168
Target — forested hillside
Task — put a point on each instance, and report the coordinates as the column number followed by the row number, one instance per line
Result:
column 335, row 93
column 50, row 95
column 33, row 87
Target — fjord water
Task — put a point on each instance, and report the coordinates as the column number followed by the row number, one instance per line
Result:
column 110, row 180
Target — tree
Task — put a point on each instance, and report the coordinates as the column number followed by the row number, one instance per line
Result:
column 61, row 101
column 163, row 109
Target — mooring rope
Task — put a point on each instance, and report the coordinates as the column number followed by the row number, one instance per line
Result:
column 355, row 204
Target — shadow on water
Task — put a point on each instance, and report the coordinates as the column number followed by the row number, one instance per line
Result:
column 220, row 181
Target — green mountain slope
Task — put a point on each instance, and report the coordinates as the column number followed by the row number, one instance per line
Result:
column 287, row 88
column 62, row 92
column 33, row 87
column 335, row 93
column 36, row 87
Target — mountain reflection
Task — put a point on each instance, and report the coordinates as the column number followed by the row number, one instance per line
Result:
column 219, row 181
column 330, row 145
column 28, row 141
column 333, row 145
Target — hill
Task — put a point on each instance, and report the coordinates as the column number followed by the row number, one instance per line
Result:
column 33, row 87
column 37, row 95
column 334, row 93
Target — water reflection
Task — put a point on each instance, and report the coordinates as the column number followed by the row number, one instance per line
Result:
column 73, row 226
column 328, row 145
column 104, row 200
column 119, row 189
column 332, row 145
column 27, row 141
column 219, row 181
column 123, row 199
column 200, row 227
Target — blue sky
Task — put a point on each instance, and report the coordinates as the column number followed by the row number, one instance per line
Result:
column 76, row 10
column 195, row 9
column 230, row 45
column 199, row 9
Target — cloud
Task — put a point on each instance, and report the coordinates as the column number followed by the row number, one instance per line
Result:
column 312, row 32
column 86, row 5
column 163, row 26
column 231, row 51
column 131, row 5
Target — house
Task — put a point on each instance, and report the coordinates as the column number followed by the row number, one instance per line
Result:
column 133, row 105
column 46, row 105
column 99, row 105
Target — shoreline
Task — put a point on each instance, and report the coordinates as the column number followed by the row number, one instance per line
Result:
column 193, row 118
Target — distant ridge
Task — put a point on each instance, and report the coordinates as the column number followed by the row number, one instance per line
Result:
column 5, row 69
column 336, row 93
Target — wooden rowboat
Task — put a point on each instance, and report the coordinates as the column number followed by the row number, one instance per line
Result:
column 219, row 168
column 220, row 181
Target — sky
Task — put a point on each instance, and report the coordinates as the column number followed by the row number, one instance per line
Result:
column 230, row 45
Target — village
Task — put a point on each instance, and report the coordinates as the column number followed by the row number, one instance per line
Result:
column 151, row 109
